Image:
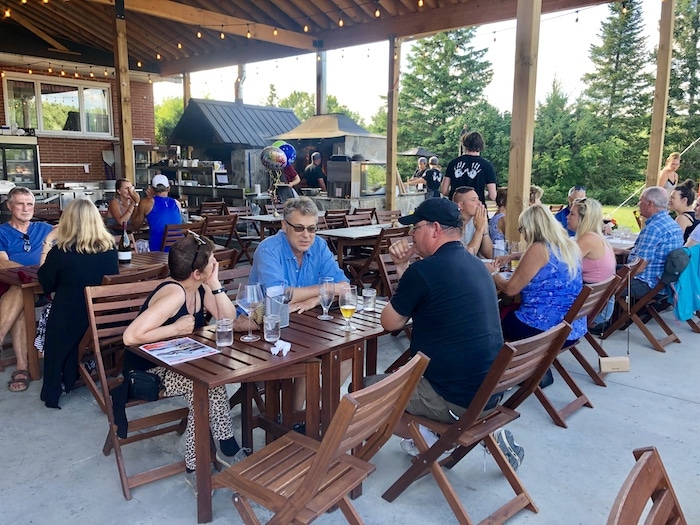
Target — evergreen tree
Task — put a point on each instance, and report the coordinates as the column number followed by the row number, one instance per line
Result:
column 167, row 114
column 444, row 78
column 683, row 121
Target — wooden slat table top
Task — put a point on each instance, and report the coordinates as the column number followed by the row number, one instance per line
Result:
column 354, row 232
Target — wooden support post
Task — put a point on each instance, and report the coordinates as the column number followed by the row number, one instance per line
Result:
column 121, row 56
column 321, row 94
column 663, row 73
column 392, row 175
column 523, row 122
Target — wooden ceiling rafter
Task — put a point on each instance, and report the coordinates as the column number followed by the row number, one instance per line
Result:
column 27, row 24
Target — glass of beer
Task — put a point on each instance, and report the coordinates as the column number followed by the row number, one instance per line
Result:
column 348, row 305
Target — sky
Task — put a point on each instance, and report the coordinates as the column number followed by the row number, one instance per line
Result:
column 563, row 54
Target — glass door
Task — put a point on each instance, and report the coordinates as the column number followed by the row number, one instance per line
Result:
column 21, row 166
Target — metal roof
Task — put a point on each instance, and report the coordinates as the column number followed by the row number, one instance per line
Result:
column 207, row 122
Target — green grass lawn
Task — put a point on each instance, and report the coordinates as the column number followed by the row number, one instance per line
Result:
column 623, row 216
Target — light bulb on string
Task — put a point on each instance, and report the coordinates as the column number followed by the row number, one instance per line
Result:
column 377, row 12
column 306, row 25
column 7, row 12
column 158, row 57
column 248, row 35
column 494, row 36
column 199, row 34
column 63, row 73
column 30, row 71
column 420, row 3
column 76, row 74
column 179, row 45
column 139, row 64
column 150, row 80
column 50, row 69
column 105, row 73
column 577, row 15
column 340, row 22
column 46, row 1
column 24, row 1
column 274, row 31
column 92, row 74
column 222, row 35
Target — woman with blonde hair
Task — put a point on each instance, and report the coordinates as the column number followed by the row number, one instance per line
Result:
column 598, row 264
column 548, row 278
column 83, row 253
column 668, row 178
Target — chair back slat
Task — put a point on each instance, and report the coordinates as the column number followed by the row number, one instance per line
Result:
column 361, row 219
column 221, row 226
column 207, row 209
column 227, row 258
column 371, row 211
column 387, row 216
column 648, row 480
column 159, row 271
column 335, row 218
column 271, row 209
column 175, row 232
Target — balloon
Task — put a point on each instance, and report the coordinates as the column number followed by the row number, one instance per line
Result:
column 273, row 158
column 278, row 143
column 290, row 152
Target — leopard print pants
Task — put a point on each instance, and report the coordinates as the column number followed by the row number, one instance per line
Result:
column 219, row 415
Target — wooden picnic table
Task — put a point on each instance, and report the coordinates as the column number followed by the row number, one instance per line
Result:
column 26, row 278
column 245, row 362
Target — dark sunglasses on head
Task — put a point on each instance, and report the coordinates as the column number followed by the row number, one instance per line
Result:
column 27, row 242
column 299, row 228
column 200, row 242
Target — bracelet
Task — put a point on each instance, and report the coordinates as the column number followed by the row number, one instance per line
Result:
column 218, row 291
column 47, row 243
column 495, row 272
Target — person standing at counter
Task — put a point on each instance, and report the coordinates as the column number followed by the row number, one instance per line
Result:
column 158, row 209
column 122, row 206
column 313, row 174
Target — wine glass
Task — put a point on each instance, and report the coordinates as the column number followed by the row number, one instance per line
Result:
column 348, row 305
column 326, row 293
column 249, row 298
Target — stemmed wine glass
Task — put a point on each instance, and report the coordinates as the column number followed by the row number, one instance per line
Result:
column 326, row 293
column 348, row 305
column 249, row 298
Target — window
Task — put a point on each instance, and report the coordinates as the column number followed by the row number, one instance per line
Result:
column 62, row 108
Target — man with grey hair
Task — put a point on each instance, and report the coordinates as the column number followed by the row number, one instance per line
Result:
column 660, row 235
column 575, row 192
column 159, row 209
column 21, row 244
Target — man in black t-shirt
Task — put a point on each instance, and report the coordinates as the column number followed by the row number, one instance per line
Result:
column 470, row 169
column 454, row 307
column 313, row 173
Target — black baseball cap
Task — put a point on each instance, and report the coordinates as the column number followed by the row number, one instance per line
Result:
column 442, row 211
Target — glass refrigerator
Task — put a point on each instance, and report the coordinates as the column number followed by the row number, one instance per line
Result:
column 19, row 161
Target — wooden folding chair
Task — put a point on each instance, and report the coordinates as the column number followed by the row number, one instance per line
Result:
column 387, row 216
column 589, row 303
column 364, row 267
column 647, row 481
column 157, row 272
column 271, row 209
column 245, row 240
column 556, row 208
column 227, row 258
column 371, row 211
column 175, row 232
column 637, row 218
column 299, row 478
column 335, row 218
column 110, row 309
column 361, row 219
column 222, row 226
column 520, row 365
column 47, row 212
column 621, row 305
column 207, row 209
column 646, row 305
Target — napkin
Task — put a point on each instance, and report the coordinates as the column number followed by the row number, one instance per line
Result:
column 281, row 346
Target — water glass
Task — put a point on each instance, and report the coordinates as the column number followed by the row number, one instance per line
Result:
column 369, row 298
column 224, row 332
column 271, row 330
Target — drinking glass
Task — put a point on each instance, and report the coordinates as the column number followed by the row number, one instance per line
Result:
column 271, row 328
column 326, row 292
column 249, row 298
column 224, row 332
column 348, row 305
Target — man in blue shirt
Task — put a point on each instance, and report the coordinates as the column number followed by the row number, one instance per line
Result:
column 159, row 209
column 660, row 235
column 575, row 192
column 21, row 244
column 298, row 256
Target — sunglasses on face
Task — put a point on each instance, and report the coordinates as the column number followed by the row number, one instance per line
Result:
column 27, row 243
column 200, row 242
column 299, row 228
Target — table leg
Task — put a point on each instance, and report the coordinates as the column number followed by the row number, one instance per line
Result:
column 340, row 246
column 30, row 322
column 202, row 451
column 330, row 387
column 371, row 358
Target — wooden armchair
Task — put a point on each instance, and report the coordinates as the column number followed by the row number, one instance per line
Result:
column 387, row 216
column 175, row 232
column 299, row 479
column 110, row 310
column 520, row 365
column 589, row 303
column 648, row 480
column 208, row 209
column 222, row 226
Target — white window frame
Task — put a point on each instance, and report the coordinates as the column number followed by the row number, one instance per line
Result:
column 61, row 81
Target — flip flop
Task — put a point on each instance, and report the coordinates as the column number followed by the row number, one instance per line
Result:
column 23, row 382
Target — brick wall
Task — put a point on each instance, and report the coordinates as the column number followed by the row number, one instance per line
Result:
column 89, row 151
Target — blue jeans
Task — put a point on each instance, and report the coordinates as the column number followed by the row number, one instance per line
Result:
column 606, row 313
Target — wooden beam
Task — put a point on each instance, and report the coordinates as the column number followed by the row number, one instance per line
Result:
column 663, row 74
column 194, row 16
column 392, row 175
column 527, row 39
column 121, row 63
column 57, row 46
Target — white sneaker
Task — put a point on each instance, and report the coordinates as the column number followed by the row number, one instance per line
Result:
column 410, row 448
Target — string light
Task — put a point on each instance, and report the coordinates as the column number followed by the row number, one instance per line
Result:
column 625, row 8
column 274, row 31
column 92, row 74
column 30, row 71
column 50, row 69
column 105, row 73
column 306, row 25
column 158, row 57
column 377, row 12
column 24, row 1
column 577, row 15
column 7, row 12
column 179, row 45
column 340, row 21
column 139, row 64
column 2, row 74
column 76, row 74
column 420, row 3
column 150, row 80
column 46, row 1
column 222, row 35
column 248, row 31
column 199, row 34
column 63, row 73
column 494, row 36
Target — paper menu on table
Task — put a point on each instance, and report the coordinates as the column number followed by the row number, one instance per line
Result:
column 179, row 350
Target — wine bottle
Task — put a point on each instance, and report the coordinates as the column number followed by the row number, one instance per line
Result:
column 124, row 249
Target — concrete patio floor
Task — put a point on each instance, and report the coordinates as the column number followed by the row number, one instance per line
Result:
column 54, row 471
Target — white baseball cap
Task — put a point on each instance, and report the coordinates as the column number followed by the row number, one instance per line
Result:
column 160, row 180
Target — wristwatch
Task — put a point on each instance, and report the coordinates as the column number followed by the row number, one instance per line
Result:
column 218, row 291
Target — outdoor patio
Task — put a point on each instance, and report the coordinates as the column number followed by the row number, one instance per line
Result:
column 55, row 472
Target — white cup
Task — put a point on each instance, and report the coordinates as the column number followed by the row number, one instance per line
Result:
column 224, row 332
column 256, row 189
column 369, row 299
column 271, row 330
